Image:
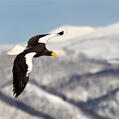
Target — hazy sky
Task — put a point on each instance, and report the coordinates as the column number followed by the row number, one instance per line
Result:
column 21, row 20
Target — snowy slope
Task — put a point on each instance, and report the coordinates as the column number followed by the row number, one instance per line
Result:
column 97, row 43
column 78, row 83
column 71, row 32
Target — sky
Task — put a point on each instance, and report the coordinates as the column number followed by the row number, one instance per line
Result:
column 20, row 20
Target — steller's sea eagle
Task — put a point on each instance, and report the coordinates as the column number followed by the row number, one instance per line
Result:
column 23, row 62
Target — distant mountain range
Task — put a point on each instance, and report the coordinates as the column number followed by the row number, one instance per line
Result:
column 82, row 82
column 73, row 32
column 97, row 43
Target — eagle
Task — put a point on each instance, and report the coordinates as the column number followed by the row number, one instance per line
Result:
column 22, row 66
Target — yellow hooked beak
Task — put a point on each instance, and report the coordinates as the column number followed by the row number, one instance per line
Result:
column 53, row 54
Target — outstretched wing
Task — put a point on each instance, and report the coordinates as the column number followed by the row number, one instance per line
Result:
column 42, row 38
column 34, row 40
column 21, row 69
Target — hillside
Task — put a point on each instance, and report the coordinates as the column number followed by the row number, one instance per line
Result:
column 82, row 82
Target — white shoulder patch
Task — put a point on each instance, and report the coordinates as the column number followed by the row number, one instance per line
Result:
column 28, row 58
column 47, row 37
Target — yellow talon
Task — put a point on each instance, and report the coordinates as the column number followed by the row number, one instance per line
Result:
column 53, row 54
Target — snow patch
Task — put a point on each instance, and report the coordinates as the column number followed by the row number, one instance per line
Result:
column 71, row 32
column 16, row 50
column 60, row 52
column 42, row 93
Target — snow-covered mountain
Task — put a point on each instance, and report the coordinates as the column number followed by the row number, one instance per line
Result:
column 97, row 43
column 80, row 83
column 73, row 32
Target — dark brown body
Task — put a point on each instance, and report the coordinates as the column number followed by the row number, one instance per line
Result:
column 21, row 64
column 19, row 72
column 20, row 67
